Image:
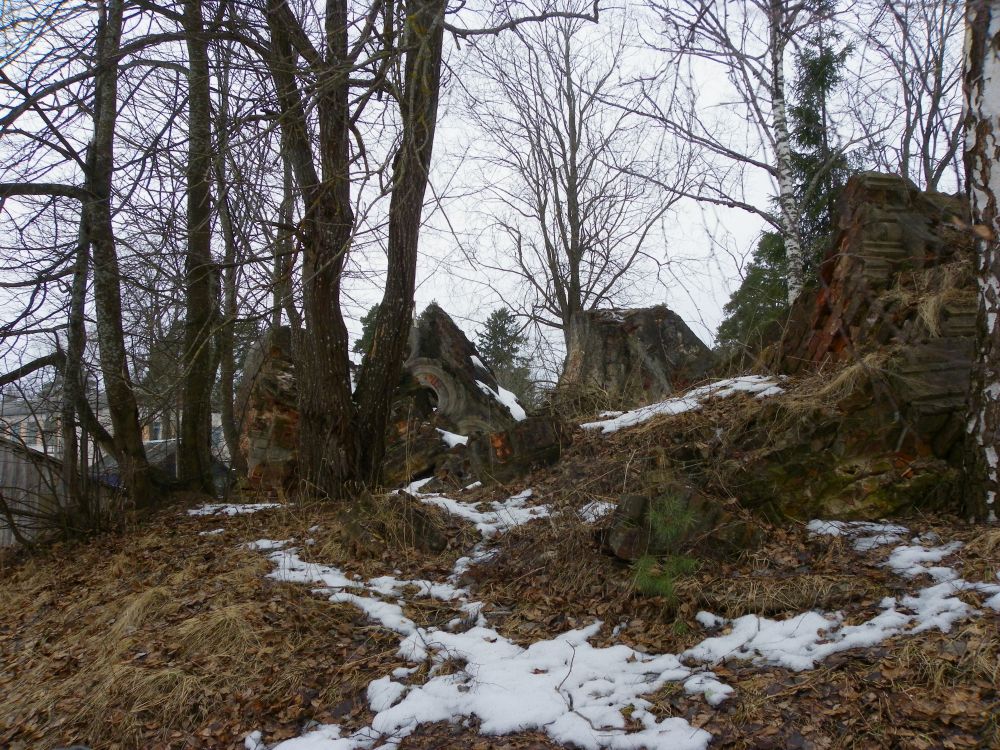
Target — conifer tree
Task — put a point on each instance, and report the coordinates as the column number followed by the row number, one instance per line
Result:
column 364, row 344
column 501, row 344
column 820, row 169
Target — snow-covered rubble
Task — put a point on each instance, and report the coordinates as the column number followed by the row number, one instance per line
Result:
column 578, row 693
column 757, row 385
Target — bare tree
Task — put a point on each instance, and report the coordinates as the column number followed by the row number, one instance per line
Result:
column 107, row 279
column 748, row 43
column 194, row 450
column 907, row 74
column 982, row 103
column 352, row 88
column 393, row 50
column 566, row 172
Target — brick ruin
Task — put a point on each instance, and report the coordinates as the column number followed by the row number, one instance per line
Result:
column 897, row 279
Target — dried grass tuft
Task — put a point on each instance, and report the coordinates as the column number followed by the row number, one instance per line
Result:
column 136, row 695
column 773, row 595
column 825, row 389
column 228, row 632
column 146, row 605
column 930, row 290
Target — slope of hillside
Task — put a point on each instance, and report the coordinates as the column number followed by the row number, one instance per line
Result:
column 495, row 618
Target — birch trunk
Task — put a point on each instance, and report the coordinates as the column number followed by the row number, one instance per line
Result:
column 982, row 168
column 789, row 214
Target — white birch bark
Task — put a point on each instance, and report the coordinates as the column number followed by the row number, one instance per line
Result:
column 794, row 252
column 982, row 163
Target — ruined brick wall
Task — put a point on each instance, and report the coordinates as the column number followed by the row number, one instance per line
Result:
column 898, row 277
column 632, row 357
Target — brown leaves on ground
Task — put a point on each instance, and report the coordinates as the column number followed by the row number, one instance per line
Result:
column 165, row 638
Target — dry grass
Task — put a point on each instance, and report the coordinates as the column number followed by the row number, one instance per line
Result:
column 981, row 554
column 782, row 594
column 833, row 386
column 132, row 641
column 226, row 632
column 136, row 641
column 929, row 291
column 151, row 604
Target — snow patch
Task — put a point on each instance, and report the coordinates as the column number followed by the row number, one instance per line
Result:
column 451, row 439
column 223, row 509
column 577, row 693
column 865, row 535
column 504, row 515
column 506, row 398
column 694, row 399
column 596, row 510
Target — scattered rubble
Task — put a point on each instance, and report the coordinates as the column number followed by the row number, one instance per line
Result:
column 446, row 394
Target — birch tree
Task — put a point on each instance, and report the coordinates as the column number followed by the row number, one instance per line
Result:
column 982, row 169
column 749, row 42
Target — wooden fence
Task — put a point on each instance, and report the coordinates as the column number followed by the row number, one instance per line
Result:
column 31, row 487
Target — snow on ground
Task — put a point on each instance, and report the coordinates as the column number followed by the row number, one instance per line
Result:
column 451, row 439
column 222, row 509
column 865, row 535
column 595, row 511
column 580, row 694
column 504, row 515
column 758, row 385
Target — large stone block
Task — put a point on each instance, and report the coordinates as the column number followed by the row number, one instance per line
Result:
column 623, row 358
column 508, row 454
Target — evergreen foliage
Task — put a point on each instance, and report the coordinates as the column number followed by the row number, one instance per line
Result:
column 364, row 344
column 501, row 340
column 501, row 344
column 657, row 576
column 821, row 169
column 761, row 298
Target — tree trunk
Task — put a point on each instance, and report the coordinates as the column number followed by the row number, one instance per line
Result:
column 225, row 339
column 283, row 246
column 794, row 252
column 982, row 169
column 72, row 376
column 329, row 444
column 225, row 343
column 132, row 463
column 195, row 448
column 423, row 40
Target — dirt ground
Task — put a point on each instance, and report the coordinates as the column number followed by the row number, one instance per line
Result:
column 165, row 636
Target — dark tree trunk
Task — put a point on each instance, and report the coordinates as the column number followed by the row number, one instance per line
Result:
column 195, row 449
column 73, row 390
column 329, row 443
column 133, row 466
column 982, row 169
column 382, row 368
column 283, row 246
